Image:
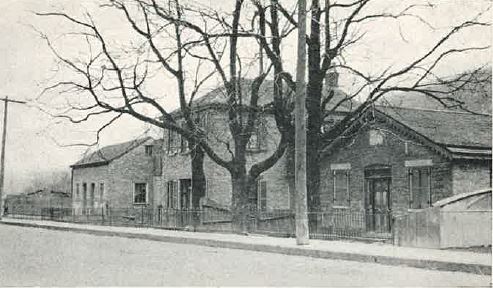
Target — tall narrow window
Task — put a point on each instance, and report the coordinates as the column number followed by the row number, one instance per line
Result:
column 77, row 190
column 148, row 150
column 140, row 193
column 101, row 192
column 258, row 138
column 183, row 142
column 172, row 195
column 262, row 195
column 419, row 187
column 174, row 142
column 341, row 193
column 91, row 200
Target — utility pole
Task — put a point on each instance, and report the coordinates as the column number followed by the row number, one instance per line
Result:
column 6, row 101
column 302, row 233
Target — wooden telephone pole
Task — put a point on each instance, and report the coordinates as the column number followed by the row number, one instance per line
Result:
column 302, row 233
column 6, row 101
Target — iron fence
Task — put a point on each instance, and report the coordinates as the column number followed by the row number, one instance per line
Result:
column 329, row 225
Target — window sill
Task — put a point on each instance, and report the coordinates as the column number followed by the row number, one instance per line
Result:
column 340, row 207
column 140, row 204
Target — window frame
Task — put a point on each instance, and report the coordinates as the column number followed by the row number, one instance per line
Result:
column 412, row 190
column 148, row 150
column 259, row 132
column 262, row 183
column 345, row 203
column 172, row 198
column 173, row 143
column 77, row 190
column 146, row 193
column 101, row 191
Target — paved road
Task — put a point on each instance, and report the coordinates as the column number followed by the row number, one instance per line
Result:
column 39, row 257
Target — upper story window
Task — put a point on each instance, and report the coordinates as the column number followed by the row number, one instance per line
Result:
column 258, row 138
column 148, row 150
column 375, row 137
column 183, row 142
column 174, row 142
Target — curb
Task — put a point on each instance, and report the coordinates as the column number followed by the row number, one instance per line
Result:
column 385, row 260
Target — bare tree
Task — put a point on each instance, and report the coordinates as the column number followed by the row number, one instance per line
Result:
column 336, row 27
column 172, row 38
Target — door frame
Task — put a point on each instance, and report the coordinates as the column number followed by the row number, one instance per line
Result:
column 372, row 174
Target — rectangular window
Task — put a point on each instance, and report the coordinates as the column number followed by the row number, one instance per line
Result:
column 258, row 138
column 262, row 195
column 183, row 142
column 203, row 121
column 140, row 193
column 341, row 193
column 91, row 200
column 148, row 150
column 101, row 191
column 77, row 190
column 419, row 187
column 174, row 142
column 172, row 195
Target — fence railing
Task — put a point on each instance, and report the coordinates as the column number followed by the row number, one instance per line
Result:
column 281, row 223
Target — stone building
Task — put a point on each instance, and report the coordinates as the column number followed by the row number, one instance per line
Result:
column 394, row 159
column 275, row 186
column 121, row 175
column 37, row 202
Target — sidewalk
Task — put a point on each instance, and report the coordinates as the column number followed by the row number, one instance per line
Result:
column 434, row 259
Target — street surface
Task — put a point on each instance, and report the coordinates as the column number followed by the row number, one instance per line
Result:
column 39, row 257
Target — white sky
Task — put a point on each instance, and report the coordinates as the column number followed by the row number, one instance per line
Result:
column 25, row 64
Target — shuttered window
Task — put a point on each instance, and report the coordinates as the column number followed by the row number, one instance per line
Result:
column 419, row 187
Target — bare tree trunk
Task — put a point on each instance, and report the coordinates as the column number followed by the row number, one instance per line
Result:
column 241, row 187
column 198, row 175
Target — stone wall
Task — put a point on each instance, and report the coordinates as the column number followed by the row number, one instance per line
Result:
column 471, row 176
column 394, row 150
column 178, row 166
column 119, row 177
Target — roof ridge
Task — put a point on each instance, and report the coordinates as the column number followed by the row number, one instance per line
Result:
column 433, row 110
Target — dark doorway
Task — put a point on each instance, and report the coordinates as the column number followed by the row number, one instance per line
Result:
column 185, row 194
column 378, row 201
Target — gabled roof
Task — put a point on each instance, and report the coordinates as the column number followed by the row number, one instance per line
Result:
column 451, row 133
column 219, row 96
column 450, row 128
column 107, row 154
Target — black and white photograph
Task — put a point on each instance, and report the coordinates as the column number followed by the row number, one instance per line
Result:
column 246, row 143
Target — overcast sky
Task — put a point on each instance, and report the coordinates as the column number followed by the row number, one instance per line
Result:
column 26, row 63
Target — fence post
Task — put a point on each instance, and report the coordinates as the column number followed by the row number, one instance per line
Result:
column 102, row 214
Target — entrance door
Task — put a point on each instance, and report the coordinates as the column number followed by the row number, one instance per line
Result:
column 379, row 204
